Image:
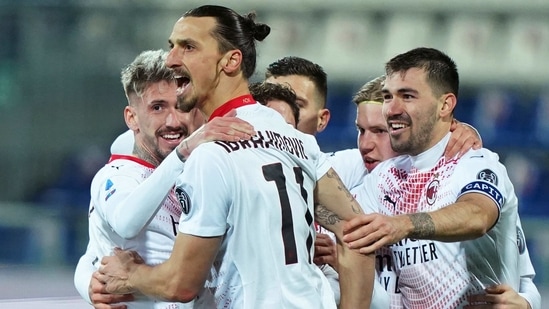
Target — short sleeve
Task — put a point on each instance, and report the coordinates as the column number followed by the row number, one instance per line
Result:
column 204, row 191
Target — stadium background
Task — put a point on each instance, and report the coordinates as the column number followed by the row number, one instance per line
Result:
column 61, row 100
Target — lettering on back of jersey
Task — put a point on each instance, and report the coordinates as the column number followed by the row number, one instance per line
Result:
column 268, row 139
column 184, row 200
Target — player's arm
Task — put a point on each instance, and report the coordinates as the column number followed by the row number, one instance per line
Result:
column 90, row 290
column 530, row 292
column 132, row 213
column 179, row 279
column 334, row 206
column 470, row 217
column 463, row 137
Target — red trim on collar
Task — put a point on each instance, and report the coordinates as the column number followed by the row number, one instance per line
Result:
column 232, row 104
column 131, row 158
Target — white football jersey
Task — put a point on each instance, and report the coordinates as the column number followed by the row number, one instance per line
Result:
column 258, row 195
column 144, row 220
column 349, row 165
column 433, row 274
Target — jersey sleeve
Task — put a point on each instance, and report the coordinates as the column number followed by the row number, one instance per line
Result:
column 481, row 172
column 83, row 273
column 333, row 278
column 528, row 289
column 323, row 166
column 133, row 204
column 123, row 144
column 349, row 166
column 204, row 191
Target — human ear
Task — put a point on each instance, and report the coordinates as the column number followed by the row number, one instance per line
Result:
column 131, row 118
column 231, row 61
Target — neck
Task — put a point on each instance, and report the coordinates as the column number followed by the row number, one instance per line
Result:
column 439, row 132
column 227, row 89
column 142, row 153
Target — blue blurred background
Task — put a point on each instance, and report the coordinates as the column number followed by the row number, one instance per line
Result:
column 61, row 100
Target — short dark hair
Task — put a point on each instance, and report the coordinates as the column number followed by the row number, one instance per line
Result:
column 147, row 68
column 235, row 31
column 442, row 74
column 299, row 66
column 371, row 91
column 264, row 92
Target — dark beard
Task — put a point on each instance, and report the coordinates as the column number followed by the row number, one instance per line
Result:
column 186, row 105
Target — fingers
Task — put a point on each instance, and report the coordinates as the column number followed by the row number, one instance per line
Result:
column 103, row 300
column 110, row 300
column 498, row 289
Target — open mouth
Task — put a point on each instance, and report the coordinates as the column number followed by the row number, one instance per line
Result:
column 182, row 82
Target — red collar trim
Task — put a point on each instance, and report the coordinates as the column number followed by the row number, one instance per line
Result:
column 131, row 158
column 232, row 104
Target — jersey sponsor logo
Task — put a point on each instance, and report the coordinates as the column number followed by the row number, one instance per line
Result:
column 184, row 200
column 488, row 175
column 432, row 190
column 521, row 242
column 268, row 139
column 408, row 252
column 486, row 188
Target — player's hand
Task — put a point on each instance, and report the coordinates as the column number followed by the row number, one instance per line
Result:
column 500, row 296
column 369, row 232
column 227, row 128
column 102, row 300
column 463, row 138
column 325, row 251
column 115, row 271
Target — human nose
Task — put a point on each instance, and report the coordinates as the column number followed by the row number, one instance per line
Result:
column 174, row 119
column 392, row 107
column 173, row 60
column 365, row 142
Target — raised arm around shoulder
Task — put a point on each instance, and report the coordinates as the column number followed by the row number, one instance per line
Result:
column 464, row 137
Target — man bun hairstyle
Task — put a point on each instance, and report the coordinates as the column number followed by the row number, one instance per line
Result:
column 235, row 31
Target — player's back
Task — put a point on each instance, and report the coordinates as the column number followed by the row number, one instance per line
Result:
column 260, row 197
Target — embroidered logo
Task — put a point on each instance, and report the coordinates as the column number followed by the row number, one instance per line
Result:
column 432, row 190
column 521, row 242
column 488, row 175
column 184, row 200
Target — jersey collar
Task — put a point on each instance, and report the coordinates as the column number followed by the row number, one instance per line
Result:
column 232, row 104
column 131, row 158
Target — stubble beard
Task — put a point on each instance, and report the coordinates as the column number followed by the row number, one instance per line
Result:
column 417, row 142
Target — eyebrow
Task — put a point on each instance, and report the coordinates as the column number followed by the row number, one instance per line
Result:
column 401, row 91
column 181, row 42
